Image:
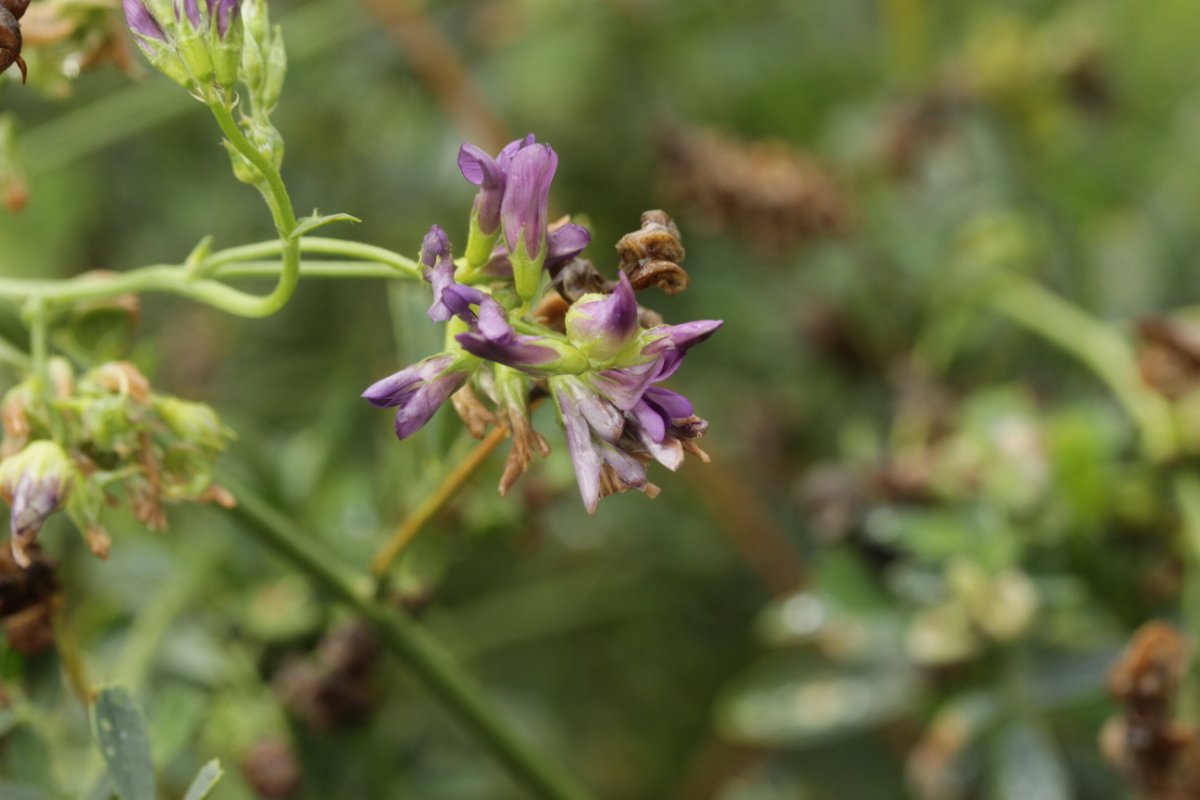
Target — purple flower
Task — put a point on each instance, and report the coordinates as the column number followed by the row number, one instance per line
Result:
column 435, row 246
column 524, row 208
column 603, row 325
column 490, row 176
column 673, row 341
column 658, row 408
column 141, row 21
column 494, row 339
column 450, row 298
column 417, row 391
column 564, row 243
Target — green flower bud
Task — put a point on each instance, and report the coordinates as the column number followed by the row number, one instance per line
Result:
column 194, row 423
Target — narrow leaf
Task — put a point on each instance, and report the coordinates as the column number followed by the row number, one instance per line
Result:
column 121, row 731
column 310, row 224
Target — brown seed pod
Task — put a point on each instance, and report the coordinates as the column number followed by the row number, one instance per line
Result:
column 10, row 38
column 650, row 256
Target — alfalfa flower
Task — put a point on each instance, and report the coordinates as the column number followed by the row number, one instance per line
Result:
column 491, row 176
column 524, row 214
column 418, row 391
column 35, row 482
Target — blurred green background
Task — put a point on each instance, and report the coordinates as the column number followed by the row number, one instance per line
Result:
column 925, row 534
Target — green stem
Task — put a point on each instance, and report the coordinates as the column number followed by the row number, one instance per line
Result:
column 39, row 351
column 311, row 245
column 427, row 658
column 177, row 280
column 1098, row 347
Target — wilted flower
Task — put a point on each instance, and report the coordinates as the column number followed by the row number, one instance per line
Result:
column 417, row 391
column 35, row 482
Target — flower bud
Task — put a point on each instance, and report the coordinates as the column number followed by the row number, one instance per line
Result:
column 523, row 214
column 275, row 72
column 225, row 39
column 193, row 423
column 35, row 482
column 604, row 325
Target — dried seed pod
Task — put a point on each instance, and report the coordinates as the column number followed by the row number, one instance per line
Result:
column 1169, row 355
column 15, row 7
column 10, row 41
column 1158, row 755
column 578, row 278
column 650, row 256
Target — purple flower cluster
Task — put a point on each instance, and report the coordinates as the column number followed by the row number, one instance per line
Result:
column 600, row 364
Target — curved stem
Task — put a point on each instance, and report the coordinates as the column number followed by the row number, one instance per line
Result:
column 225, row 263
column 427, row 658
column 1099, row 348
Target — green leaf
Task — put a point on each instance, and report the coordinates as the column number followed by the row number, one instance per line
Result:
column 205, row 780
column 310, row 224
column 121, row 731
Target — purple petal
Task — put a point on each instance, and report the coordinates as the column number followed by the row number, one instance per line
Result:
column 681, row 337
column 672, row 405
column 398, row 387
column 192, row 9
column 451, row 299
column 495, row 340
column 584, row 457
column 629, row 470
column 602, row 416
column 226, row 11
column 624, row 387
column 424, row 403
column 140, row 20
column 509, row 150
column 523, row 210
column 518, row 352
column 479, row 168
column 650, row 420
column 564, row 243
